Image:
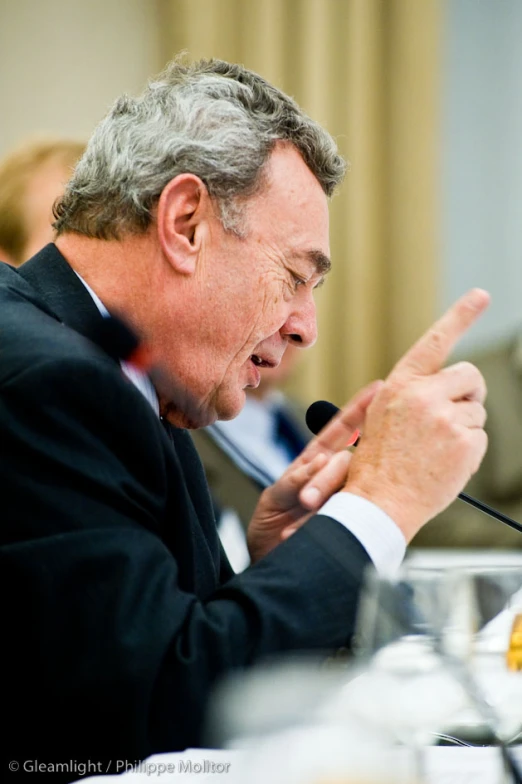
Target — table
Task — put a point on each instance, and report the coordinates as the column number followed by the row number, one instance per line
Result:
column 445, row 765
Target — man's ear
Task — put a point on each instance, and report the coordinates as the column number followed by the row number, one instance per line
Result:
column 182, row 207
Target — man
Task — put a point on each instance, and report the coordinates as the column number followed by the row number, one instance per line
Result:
column 199, row 213
column 32, row 177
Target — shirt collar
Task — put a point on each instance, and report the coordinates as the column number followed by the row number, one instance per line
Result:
column 140, row 380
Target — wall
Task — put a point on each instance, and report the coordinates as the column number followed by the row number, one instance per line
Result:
column 63, row 62
column 482, row 160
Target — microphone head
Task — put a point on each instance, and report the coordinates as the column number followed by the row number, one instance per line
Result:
column 319, row 414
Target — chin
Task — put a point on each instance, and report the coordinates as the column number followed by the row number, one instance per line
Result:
column 222, row 406
column 230, row 406
column 181, row 420
column 179, row 416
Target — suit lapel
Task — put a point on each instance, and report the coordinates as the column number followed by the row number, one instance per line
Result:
column 62, row 292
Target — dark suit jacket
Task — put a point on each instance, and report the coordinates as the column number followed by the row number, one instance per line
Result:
column 120, row 611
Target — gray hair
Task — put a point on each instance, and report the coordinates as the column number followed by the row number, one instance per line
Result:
column 212, row 119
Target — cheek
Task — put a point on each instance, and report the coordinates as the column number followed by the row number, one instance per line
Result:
column 273, row 305
column 250, row 318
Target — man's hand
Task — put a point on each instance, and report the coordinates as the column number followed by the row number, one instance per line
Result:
column 422, row 440
column 423, row 436
column 319, row 471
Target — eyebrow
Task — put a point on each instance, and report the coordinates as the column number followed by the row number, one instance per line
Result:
column 321, row 262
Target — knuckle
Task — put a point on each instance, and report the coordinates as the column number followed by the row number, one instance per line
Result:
column 471, row 376
column 392, row 396
column 465, row 367
column 478, row 381
column 473, row 440
column 456, row 439
column 480, row 447
column 444, row 421
column 475, row 374
column 481, row 414
column 435, row 341
column 477, row 415
column 482, row 386
column 464, row 440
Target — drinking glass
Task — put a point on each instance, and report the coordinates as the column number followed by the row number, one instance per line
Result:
column 281, row 721
column 494, row 656
column 409, row 687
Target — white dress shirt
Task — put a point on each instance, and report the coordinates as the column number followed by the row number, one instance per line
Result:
column 379, row 535
column 249, row 439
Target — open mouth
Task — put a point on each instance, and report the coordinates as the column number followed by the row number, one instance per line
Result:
column 259, row 362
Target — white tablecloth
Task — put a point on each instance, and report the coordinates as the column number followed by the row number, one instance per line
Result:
column 295, row 759
column 445, row 765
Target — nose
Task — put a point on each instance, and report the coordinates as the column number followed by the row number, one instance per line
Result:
column 301, row 325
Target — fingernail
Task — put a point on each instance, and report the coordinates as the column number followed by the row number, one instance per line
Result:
column 310, row 496
column 354, row 438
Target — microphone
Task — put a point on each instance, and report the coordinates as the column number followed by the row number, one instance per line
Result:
column 319, row 414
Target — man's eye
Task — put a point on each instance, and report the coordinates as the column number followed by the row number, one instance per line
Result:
column 298, row 281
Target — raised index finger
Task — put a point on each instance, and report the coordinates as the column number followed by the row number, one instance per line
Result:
column 431, row 351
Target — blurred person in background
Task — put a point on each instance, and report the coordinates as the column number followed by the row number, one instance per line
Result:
column 32, row 178
column 199, row 213
column 498, row 482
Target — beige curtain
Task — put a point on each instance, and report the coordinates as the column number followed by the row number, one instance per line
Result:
column 369, row 71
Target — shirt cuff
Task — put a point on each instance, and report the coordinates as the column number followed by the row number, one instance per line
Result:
column 376, row 531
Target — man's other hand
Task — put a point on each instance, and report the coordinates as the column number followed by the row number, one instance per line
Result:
column 423, row 435
column 321, row 469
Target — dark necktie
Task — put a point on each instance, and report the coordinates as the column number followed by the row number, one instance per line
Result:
column 287, row 434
